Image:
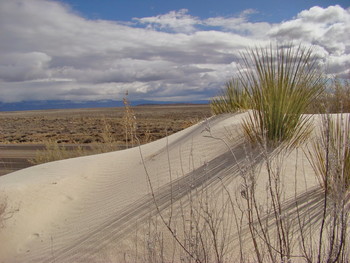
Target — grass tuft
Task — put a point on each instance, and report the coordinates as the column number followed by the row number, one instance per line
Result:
column 232, row 99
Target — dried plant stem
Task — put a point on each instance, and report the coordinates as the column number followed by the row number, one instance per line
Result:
column 129, row 121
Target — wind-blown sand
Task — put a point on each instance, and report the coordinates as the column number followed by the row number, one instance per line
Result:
column 71, row 210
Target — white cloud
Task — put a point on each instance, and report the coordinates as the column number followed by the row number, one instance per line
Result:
column 23, row 66
column 326, row 28
column 178, row 21
column 240, row 24
column 49, row 52
column 330, row 15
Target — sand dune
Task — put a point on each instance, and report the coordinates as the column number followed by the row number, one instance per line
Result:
column 74, row 210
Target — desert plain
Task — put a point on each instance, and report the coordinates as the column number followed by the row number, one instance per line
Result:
column 24, row 133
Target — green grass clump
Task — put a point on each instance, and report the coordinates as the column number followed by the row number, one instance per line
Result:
column 281, row 82
column 232, row 99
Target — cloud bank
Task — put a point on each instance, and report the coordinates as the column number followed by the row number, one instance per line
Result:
column 49, row 52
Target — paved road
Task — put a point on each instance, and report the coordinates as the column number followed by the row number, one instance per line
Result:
column 14, row 157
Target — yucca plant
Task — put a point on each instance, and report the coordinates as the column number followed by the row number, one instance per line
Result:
column 281, row 83
column 232, row 99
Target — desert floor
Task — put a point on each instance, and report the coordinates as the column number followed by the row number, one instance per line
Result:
column 23, row 133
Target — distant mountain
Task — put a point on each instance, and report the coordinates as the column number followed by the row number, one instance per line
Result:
column 64, row 104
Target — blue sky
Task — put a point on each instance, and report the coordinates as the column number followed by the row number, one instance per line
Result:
column 124, row 10
column 157, row 50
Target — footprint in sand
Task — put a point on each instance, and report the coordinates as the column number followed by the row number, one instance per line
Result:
column 67, row 198
column 24, row 248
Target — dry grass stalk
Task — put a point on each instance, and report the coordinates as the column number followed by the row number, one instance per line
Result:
column 335, row 99
column 329, row 156
column 129, row 122
column 109, row 142
column 54, row 151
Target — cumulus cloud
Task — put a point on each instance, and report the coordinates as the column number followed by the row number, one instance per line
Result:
column 47, row 51
column 326, row 28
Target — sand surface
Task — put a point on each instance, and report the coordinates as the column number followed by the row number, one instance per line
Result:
column 73, row 210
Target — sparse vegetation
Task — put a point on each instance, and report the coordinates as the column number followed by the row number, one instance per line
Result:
column 335, row 98
column 86, row 126
column 86, row 131
column 329, row 153
column 55, row 151
column 280, row 85
column 232, row 99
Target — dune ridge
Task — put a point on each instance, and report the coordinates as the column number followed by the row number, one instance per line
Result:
column 75, row 210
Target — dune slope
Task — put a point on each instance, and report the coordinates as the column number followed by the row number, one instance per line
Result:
column 69, row 210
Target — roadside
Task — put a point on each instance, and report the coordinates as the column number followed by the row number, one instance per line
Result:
column 14, row 157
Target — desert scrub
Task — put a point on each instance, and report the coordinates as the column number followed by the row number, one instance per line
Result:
column 54, row 151
column 335, row 99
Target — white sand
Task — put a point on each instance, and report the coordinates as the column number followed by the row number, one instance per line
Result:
column 69, row 211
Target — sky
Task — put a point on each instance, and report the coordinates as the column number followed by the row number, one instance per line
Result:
column 159, row 50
